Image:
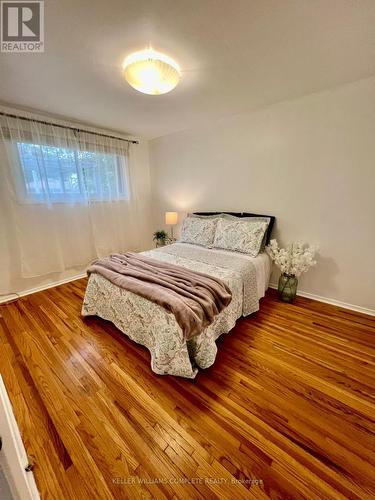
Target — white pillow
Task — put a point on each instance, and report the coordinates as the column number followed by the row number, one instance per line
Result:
column 255, row 218
column 240, row 236
column 213, row 216
column 198, row 231
column 260, row 218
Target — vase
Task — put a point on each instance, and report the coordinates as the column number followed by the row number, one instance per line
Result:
column 160, row 243
column 287, row 287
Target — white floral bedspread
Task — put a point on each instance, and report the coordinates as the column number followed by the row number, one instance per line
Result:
column 152, row 326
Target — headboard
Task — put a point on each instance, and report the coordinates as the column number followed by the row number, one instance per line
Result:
column 246, row 214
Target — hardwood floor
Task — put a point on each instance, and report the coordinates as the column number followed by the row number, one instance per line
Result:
column 289, row 404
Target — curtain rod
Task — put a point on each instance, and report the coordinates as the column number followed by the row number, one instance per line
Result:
column 75, row 129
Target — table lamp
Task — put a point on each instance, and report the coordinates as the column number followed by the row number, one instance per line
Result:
column 171, row 220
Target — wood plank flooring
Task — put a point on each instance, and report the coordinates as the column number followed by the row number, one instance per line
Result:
column 287, row 410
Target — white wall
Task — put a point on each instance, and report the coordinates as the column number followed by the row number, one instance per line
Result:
column 310, row 162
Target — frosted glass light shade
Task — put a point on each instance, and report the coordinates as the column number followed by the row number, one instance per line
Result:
column 171, row 218
column 151, row 72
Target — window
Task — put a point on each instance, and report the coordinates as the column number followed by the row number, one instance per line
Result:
column 61, row 175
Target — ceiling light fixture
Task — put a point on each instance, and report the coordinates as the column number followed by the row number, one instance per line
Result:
column 151, row 72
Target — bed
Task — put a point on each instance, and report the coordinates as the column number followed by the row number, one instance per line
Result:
column 150, row 325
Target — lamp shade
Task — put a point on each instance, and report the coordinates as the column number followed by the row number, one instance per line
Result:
column 151, row 72
column 171, row 218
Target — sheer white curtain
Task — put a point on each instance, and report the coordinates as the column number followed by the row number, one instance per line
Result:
column 66, row 197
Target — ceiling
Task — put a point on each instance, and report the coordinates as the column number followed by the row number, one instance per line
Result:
column 235, row 56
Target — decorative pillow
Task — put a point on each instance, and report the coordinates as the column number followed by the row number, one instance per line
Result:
column 260, row 218
column 240, row 236
column 244, row 217
column 198, row 231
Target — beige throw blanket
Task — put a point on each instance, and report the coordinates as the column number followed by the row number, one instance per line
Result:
column 194, row 298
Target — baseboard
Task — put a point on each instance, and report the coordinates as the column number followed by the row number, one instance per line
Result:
column 301, row 293
column 334, row 302
column 13, row 296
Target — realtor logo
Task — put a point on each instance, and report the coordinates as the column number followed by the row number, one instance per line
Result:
column 22, row 26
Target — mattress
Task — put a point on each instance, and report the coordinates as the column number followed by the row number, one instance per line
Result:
column 155, row 328
column 262, row 264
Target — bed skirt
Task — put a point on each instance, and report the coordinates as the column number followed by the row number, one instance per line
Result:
column 152, row 326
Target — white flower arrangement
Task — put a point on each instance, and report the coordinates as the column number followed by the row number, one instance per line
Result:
column 295, row 259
